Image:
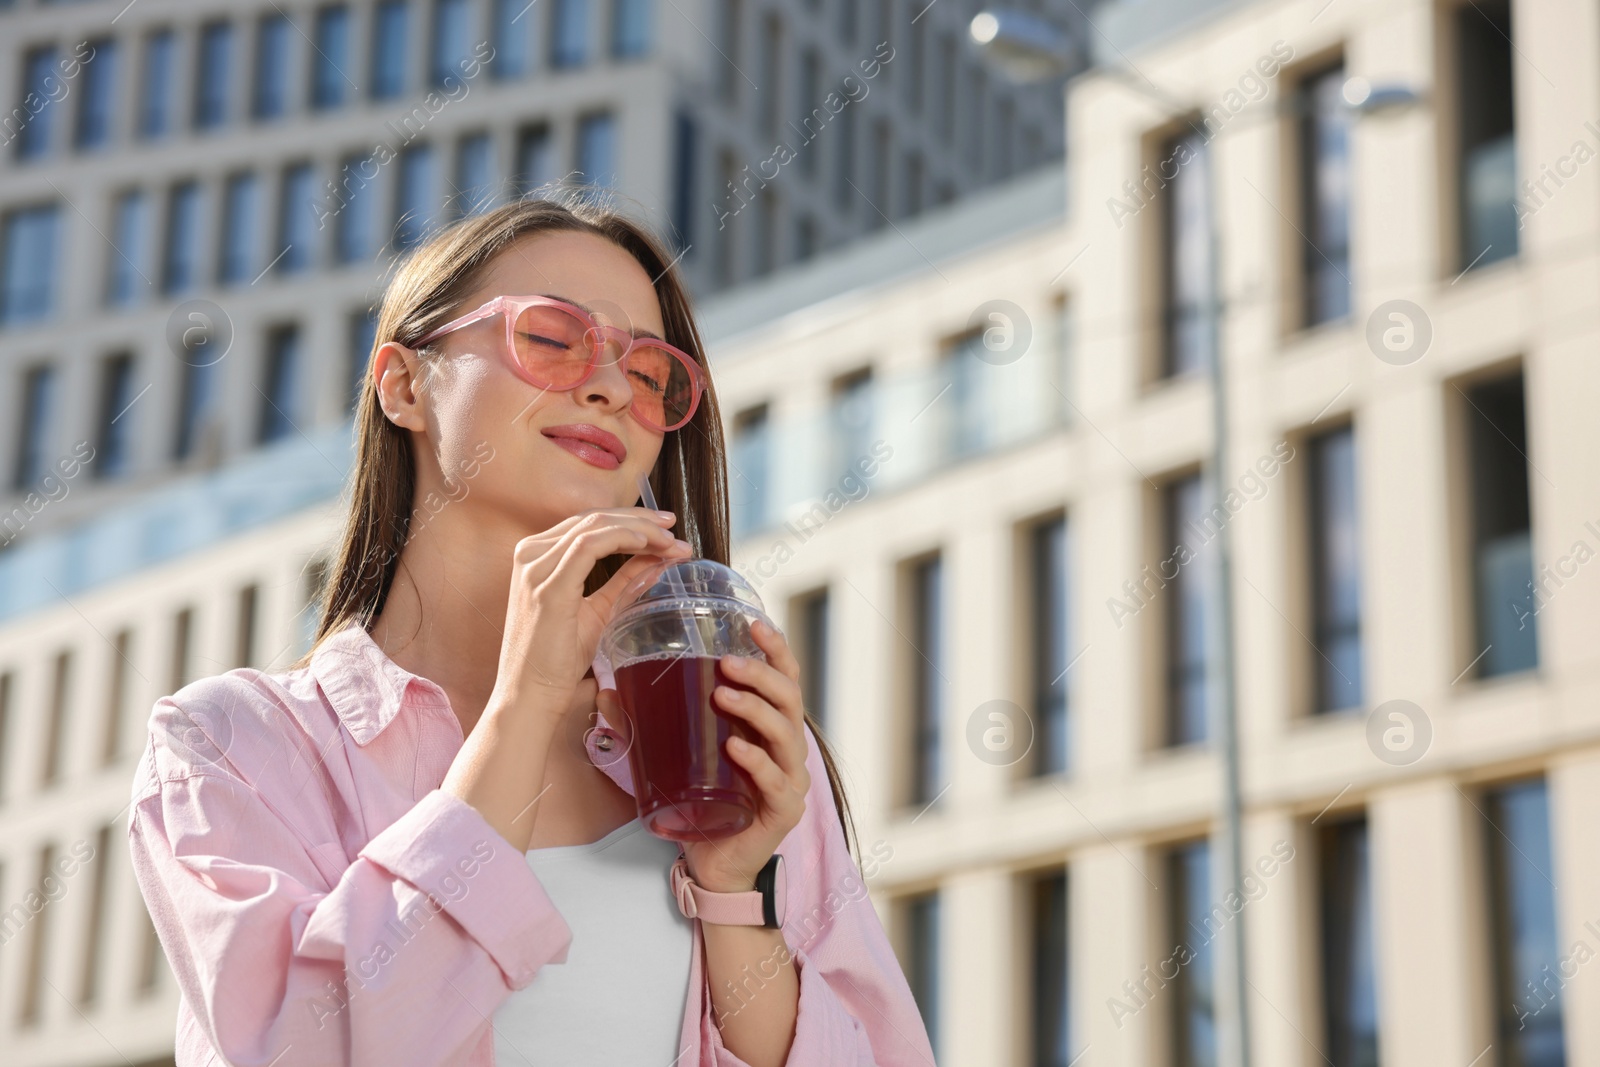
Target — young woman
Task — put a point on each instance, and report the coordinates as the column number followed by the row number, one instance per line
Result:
column 419, row 844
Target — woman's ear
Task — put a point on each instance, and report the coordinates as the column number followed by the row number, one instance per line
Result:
column 395, row 371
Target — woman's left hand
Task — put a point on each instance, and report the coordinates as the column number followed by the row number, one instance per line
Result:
column 776, row 713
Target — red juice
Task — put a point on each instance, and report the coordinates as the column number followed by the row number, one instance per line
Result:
column 686, row 787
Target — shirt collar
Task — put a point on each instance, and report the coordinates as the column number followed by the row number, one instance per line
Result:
column 365, row 686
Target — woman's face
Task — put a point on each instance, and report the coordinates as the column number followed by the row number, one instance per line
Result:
column 471, row 398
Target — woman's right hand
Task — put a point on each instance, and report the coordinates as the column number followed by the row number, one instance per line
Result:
column 552, row 630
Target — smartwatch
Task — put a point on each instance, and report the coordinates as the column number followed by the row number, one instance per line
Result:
column 762, row 906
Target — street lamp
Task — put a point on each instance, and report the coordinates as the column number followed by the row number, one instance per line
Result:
column 1025, row 47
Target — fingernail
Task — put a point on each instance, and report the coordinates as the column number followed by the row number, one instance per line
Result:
column 733, row 661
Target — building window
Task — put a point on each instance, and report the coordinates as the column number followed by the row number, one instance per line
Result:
column 965, row 406
column 269, row 98
column 949, row 75
column 729, row 33
column 211, row 75
column 363, row 337
column 751, row 471
column 725, row 242
column 1523, row 926
column 911, row 184
column 114, row 445
column 1335, row 571
column 1324, row 131
column 330, row 55
column 131, row 223
column 597, row 150
column 354, row 206
column 27, row 265
column 1190, row 923
column 116, row 697
column 927, row 679
column 1050, row 640
column 156, row 84
column 245, row 626
column 922, row 959
column 536, row 159
column 94, row 936
column 844, row 160
column 41, row 84
column 452, row 28
column 475, row 182
column 1052, row 997
column 33, row 427
column 512, row 32
column 1349, row 998
column 879, row 210
column 281, row 385
column 684, row 151
column 297, row 220
column 569, row 34
column 415, row 200
column 1187, row 604
column 812, row 611
column 180, row 266
column 97, row 95
column 33, row 985
column 812, row 116
column 771, row 96
column 630, row 28
column 1185, row 258
column 389, row 49
column 766, row 220
column 240, row 209
column 55, row 723
column 1487, row 180
column 1504, row 596
column 195, row 401
column 852, row 422
column 805, row 238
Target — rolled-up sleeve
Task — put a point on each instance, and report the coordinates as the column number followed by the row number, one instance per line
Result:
column 855, row 1006
column 401, row 961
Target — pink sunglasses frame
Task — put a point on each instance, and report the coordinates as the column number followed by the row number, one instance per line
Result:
column 513, row 306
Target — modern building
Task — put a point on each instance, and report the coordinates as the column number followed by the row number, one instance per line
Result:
column 199, row 203
column 969, row 458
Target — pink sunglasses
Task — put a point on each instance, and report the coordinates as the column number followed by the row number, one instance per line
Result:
column 555, row 345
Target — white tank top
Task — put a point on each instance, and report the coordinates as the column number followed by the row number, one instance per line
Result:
column 619, row 996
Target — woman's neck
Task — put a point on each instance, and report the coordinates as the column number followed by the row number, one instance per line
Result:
column 445, row 612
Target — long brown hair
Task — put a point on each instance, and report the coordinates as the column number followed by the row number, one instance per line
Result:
column 431, row 281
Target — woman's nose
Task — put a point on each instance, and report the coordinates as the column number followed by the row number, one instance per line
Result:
column 608, row 384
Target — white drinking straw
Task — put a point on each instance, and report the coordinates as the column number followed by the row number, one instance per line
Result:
column 649, row 499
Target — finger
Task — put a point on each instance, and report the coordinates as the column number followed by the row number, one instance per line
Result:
column 775, row 728
column 587, row 547
column 777, row 792
column 605, row 598
column 781, row 691
column 776, row 646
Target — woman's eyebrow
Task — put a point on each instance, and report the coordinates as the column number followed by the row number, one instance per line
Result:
column 590, row 310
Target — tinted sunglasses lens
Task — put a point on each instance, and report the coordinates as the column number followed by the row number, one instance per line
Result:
column 662, row 387
column 552, row 345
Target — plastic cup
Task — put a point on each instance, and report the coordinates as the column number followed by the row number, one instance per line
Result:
column 661, row 652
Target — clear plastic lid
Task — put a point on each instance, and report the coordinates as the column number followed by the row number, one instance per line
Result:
column 670, row 609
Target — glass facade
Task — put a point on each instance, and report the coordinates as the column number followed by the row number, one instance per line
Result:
column 41, row 89
column 97, row 95
column 1349, row 993
column 156, row 84
column 1190, row 920
column 388, row 49
column 269, row 98
column 1051, row 652
column 1185, row 568
column 1507, row 605
column 212, row 73
column 597, row 149
column 1186, row 256
column 330, row 56
column 241, row 207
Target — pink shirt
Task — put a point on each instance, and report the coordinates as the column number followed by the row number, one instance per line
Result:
column 295, row 851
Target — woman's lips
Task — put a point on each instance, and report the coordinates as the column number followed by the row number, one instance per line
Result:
column 588, row 452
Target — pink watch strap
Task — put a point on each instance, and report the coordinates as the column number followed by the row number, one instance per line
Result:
column 723, row 909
